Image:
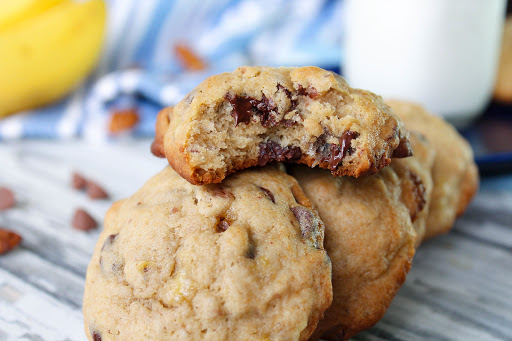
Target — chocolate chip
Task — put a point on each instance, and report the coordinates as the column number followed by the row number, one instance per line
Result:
column 109, row 241
column 286, row 91
column 268, row 194
column 310, row 92
column 271, row 151
column 95, row 191
column 418, row 193
column 96, row 336
column 245, row 107
column 333, row 154
column 8, row 240
column 306, row 220
column 83, row 221
column 218, row 190
column 222, row 226
column 78, row 181
column 402, row 150
column 6, row 198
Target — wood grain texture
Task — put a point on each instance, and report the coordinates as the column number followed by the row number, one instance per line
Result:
column 459, row 288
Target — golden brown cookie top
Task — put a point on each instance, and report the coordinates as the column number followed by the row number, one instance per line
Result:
column 454, row 171
column 239, row 260
column 370, row 239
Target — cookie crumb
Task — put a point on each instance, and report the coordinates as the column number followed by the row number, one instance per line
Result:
column 6, row 198
column 8, row 240
column 122, row 120
column 83, row 221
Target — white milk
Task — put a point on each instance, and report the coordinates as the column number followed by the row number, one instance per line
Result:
column 441, row 53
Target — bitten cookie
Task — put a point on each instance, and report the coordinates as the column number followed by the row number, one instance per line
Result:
column 370, row 239
column 454, row 171
column 256, row 115
column 503, row 87
column 238, row 261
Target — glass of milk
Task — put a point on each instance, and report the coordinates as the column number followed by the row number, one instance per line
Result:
column 440, row 53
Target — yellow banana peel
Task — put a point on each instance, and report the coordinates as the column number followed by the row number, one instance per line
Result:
column 46, row 48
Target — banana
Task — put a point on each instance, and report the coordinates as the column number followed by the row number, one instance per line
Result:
column 46, row 48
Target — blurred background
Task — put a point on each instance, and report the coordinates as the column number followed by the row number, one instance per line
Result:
column 100, row 70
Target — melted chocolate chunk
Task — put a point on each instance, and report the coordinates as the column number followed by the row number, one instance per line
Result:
column 218, row 190
column 419, row 195
column 109, row 241
column 268, row 194
column 245, row 107
column 402, row 150
column 333, row 154
column 222, row 226
column 271, row 151
column 306, row 220
column 310, row 92
column 96, row 336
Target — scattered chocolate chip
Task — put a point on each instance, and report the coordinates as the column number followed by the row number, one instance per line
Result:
column 271, row 151
column 95, row 191
column 83, row 221
column 306, row 220
column 8, row 240
column 78, row 181
column 122, row 120
column 6, row 198
column 218, row 190
column 96, row 336
column 245, row 107
column 333, row 154
column 222, row 226
column 188, row 58
column 268, row 193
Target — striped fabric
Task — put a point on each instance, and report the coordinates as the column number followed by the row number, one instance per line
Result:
column 139, row 68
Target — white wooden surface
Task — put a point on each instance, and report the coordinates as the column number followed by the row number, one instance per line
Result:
column 459, row 288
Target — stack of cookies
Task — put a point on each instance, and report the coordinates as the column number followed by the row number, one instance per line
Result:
column 291, row 210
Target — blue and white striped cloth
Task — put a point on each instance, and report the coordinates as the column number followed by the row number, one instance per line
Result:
column 225, row 33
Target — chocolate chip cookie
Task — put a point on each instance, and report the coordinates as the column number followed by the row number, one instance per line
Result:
column 370, row 238
column 454, row 172
column 503, row 87
column 416, row 182
column 241, row 260
column 257, row 115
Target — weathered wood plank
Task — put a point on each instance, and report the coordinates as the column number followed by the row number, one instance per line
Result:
column 27, row 313
column 459, row 288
